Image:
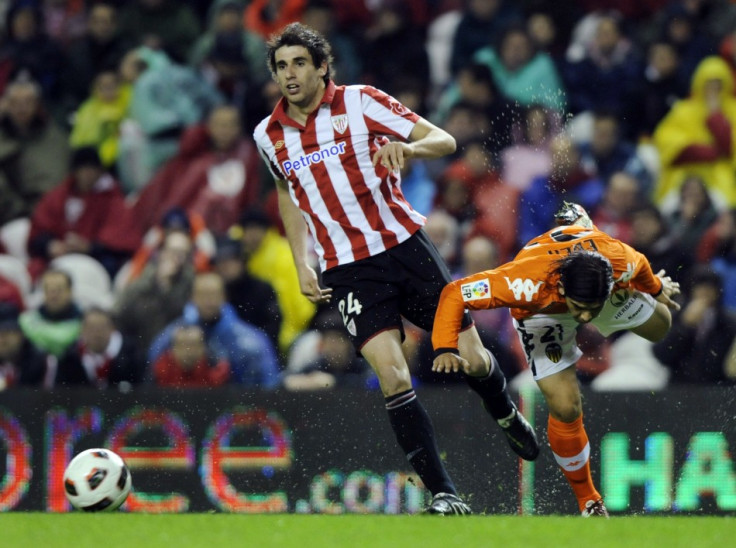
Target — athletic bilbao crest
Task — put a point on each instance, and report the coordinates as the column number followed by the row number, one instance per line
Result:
column 340, row 122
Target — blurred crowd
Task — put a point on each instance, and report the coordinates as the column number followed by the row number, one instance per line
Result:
column 140, row 241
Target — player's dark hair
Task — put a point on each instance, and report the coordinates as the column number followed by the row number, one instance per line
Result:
column 297, row 34
column 585, row 276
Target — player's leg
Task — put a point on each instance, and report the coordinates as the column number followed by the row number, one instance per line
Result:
column 410, row 421
column 568, row 439
column 488, row 381
column 552, row 352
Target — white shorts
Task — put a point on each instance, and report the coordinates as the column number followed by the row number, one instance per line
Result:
column 549, row 340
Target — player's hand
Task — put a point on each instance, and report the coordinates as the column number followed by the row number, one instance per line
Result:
column 449, row 362
column 309, row 285
column 392, row 155
column 670, row 288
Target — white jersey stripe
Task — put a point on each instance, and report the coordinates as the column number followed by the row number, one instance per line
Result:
column 344, row 188
column 292, row 139
column 359, row 138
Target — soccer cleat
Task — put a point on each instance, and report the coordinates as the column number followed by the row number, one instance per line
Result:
column 447, row 504
column 595, row 508
column 573, row 214
column 521, row 436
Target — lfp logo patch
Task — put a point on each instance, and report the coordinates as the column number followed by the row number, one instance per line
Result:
column 474, row 291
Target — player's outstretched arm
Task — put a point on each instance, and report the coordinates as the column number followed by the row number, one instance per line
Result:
column 296, row 234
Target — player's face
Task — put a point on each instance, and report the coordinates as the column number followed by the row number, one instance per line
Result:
column 300, row 81
column 583, row 312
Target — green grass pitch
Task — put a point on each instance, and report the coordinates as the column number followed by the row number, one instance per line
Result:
column 79, row 530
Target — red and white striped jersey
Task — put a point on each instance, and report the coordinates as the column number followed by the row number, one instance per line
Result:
column 353, row 209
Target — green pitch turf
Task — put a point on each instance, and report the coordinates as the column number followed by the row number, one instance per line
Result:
column 78, row 530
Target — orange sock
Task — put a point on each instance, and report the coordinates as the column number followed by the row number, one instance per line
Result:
column 570, row 447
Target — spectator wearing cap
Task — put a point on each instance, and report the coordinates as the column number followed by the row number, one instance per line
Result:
column 254, row 300
column 86, row 213
column 101, row 357
column 54, row 325
column 175, row 219
column 21, row 362
column 268, row 257
column 250, row 353
column 157, row 297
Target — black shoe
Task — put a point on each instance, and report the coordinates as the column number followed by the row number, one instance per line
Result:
column 446, row 504
column 521, row 437
column 595, row 508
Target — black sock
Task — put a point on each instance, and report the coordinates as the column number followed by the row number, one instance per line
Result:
column 492, row 390
column 415, row 434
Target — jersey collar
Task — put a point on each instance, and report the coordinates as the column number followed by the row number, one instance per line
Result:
column 279, row 113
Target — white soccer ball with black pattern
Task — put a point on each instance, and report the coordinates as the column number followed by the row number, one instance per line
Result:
column 97, row 480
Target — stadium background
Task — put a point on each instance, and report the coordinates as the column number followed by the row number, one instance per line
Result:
column 330, row 462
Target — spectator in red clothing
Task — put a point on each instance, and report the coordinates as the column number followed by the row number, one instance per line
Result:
column 613, row 214
column 491, row 205
column 186, row 364
column 87, row 214
column 215, row 174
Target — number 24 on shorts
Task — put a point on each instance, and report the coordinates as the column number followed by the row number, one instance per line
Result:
column 349, row 306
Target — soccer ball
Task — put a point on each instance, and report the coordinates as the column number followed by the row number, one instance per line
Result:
column 97, row 480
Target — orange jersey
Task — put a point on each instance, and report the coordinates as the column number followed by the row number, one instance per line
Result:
column 527, row 285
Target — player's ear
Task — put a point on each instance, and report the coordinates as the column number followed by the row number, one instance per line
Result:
column 560, row 289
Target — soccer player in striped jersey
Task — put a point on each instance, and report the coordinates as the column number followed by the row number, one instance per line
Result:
column 569, row 275
column 336, row 154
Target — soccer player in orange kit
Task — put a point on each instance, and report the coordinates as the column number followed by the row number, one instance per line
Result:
column 570, row 275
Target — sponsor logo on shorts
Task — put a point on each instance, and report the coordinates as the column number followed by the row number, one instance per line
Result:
column 619, row 298
column 476, row 290
column 626, row 309
column 316, row 157
column 553, row 352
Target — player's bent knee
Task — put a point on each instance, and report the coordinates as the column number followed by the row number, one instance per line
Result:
column 566, row 413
